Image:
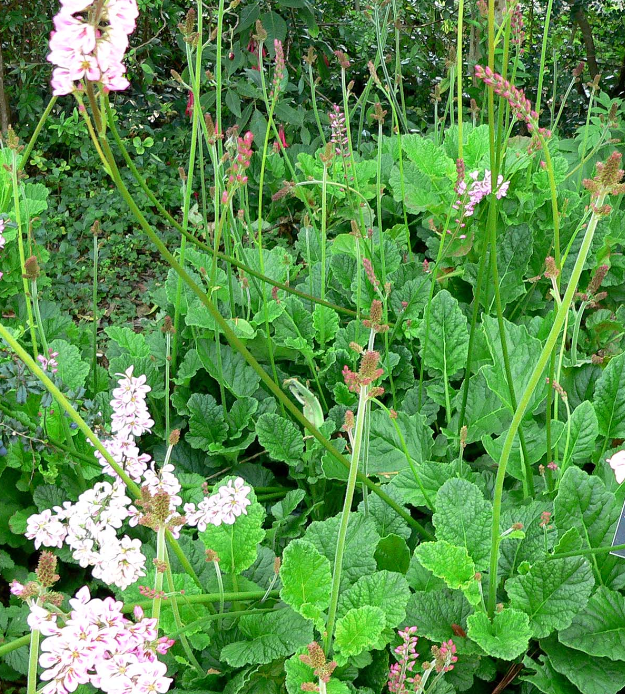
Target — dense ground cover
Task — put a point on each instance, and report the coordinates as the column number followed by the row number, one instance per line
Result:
column 312, row 395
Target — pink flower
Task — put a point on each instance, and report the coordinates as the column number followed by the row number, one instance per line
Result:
column 189, row 110
column 83, row 50
column 281, row 138
column 45, row 530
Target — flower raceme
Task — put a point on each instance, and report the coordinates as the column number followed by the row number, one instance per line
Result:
column 98, row 645
column 89, row 41
column 224, row 506
column 519, row 103
column 471, row 194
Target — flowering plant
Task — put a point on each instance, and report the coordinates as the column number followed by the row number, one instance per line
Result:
column 398, row 415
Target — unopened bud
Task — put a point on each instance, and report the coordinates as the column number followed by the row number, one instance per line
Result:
column 31, row 268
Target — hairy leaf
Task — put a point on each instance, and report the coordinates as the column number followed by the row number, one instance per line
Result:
column 552, row 593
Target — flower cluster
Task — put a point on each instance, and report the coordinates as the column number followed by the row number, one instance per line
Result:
column 608, row 180
column 237, row 172
column 472, row 194
column 322, row 668
column 443, row 659
column 89, row 528
column 407, row 653
column 49, row 363
column 279, row 70
column 89, row 41
column 339, row 131
column 224, row 506
column 36, row 593
column 130, row 419
column 519, row 103
column 98, row 645
column 444, row 656
column 517, row 27
column 366, row 374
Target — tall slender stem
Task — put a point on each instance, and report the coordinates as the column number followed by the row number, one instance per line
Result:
column 347, row 505
column 20, row 245
column 525, row 399
column 33, row 658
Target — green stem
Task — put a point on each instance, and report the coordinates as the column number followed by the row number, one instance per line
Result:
column 459, row 73
column 525, row 399
column 347, row 505
column 94, row 300
column 20, row 244
column 83, row 426
column 33, row 658
column 35, row 135
column 189, row 182
column 237, row 344
column 202, row 598
column 177, row 619
column 543, row 53
column 582, row 552
column 158, row 580
column 14, row 645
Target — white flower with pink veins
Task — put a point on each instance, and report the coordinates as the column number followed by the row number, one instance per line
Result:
column 45, row 529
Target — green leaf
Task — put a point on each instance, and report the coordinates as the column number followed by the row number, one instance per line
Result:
column 189, row 366
column 532, row 547
column 415, row 189
column 552, row 593
column 386, row 453
column 72, row 370
column 306, row 579
column 359, row 630
column 207, row 426
column 536, row 443
column 268, row 637
column 589, row 674
column 485, row 413
column 235, row 373
column 447, row 341
column 127, row 341
column 294, row 323
column 448, row 562
column 386, row 519
column 435, row 611
column 584, row 503
column 464, row 518
column 360, row 543
column 546, row 679
column 19, row 520
column 506, row 637
column 280, row 438
column 275, row 27
column 608, row 400
column 326, row 322
column 524, row 351
column 428, row 156
column 392, row 553
column 236, row 544
column 384, row 589
column 584, row 433
column 432, row 476
column 599, row 629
